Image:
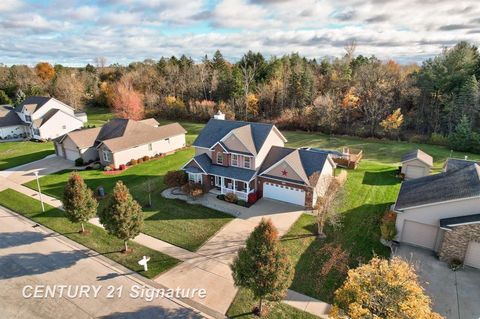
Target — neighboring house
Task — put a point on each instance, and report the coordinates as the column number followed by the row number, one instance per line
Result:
column 416, row 164
column 441, row 212
column 120, row 140
column 242, row 158
column 41, row 118
column 11, row 126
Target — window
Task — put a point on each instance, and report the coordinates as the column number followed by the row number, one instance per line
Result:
column 64, row 127
column 36, row 131
column 195, row 178
column 168, row 140
column 220, row 158
column 235, row 159
column 150, row 146
column 106, row 156
column 246, row 162
column 28, row 118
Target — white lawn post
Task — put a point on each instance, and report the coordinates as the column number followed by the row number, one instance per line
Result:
column 39, row 191
column 144, row 262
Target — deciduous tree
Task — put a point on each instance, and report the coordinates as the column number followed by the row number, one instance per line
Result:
column 122, row 217
column 383, row 289
column 78, row 201
column 45, row 71
column 125, row 101
column 263, row 265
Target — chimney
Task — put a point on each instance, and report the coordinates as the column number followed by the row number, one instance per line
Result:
column 219, row 115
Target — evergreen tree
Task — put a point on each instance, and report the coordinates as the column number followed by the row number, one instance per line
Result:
column 462, row 139
column 263, row 265
column 122, row 217
column 468, row 98
column 4, row 99
column 19, row 97
column 78, row 201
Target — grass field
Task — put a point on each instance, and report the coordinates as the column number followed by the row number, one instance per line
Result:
column 98, row 116
column 18, row 153
column 98, row 240
column 174, row 221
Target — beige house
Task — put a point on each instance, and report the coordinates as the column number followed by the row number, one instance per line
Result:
column 244, row 158
column 119, row 141
column 416, row 164
column 441, row 212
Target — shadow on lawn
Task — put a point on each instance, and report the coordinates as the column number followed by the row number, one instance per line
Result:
column 24, row 159
column 381, row 178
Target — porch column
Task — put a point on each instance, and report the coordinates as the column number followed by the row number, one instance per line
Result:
column 234, row 186
column 247, row 188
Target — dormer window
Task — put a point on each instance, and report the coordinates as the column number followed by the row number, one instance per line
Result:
column 28, row 118
column 247, row 162
column 220, row 158
column 235, row 159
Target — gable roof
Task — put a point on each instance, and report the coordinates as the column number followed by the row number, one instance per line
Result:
column 304, row 162
column 457, row 182
column 449, row 223
column 121, row 134
column 420, row 155
column 215, row 130
column 245, row 136
column 150, row 121
column 83, row 138
column 206, row 165
column 9, row 117
column 40, row 121
column 32, row 103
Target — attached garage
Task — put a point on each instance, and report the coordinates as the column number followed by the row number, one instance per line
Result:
column 472, row 257
column 284, row 193
column 419, row 234
column 71, row 154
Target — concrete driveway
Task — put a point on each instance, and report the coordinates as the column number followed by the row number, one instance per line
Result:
column 25, row 173
column 455, row 295
column 34, row 256
column 211, row 269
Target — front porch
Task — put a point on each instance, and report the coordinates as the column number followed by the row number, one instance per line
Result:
column 224, row 185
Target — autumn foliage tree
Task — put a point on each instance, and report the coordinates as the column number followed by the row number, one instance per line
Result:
column 78, row 201
column 125, row 101
column 44, row 71
column 327, row 206
column 382, row 289
column 391, row 124
column 122, row 217
column 263, row 265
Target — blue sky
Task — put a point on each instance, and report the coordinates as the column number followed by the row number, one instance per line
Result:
column 74, row 32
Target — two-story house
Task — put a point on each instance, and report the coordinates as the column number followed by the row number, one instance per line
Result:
column 40, row 117
column 245, row 157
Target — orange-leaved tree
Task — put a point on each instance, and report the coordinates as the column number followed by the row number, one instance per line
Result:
column 44, row 71
column 383, row 289
column 125, row 101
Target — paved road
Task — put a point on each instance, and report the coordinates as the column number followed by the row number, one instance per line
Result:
column 34, row 256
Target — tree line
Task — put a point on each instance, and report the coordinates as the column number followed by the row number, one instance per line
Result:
column 437, row 101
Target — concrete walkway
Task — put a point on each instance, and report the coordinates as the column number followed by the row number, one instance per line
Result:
column 209, row 266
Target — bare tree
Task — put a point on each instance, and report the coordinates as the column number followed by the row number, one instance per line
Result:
column 249, row 73
column 100, row 62
column 350, row 48
column 327, row 207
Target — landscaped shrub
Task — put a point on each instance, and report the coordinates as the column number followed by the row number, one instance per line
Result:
column 140, row 160
column 133, row 162
column 195, row 190
column 79, row 162
column 252, row 197
column 241, row 202
column 221, row 197
column 175, row 178
column 146, row 158
column 107, row 168
column 231, row 197
column 387, row 226
column 122, row 167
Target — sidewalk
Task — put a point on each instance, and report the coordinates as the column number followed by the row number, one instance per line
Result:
column 209, row 267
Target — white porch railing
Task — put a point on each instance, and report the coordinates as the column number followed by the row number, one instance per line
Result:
column 243, row 195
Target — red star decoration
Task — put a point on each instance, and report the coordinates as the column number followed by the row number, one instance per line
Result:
column 284, row 173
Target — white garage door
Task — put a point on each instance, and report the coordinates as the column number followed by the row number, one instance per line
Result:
column 284, row 193
column 415, row 171
column 58, row 150
column 472, row 257
column 71, row 154
column 419, row 234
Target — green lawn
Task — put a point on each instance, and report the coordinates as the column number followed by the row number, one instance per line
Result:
column 18, row 153
column 174, row 221
column 98, row 240
column 243, row 304
column 98, row 116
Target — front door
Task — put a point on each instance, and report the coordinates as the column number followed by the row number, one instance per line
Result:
column 218, row 181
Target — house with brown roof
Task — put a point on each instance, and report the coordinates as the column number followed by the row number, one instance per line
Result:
column 121, row 140
column 245, row 157
column 39, row 117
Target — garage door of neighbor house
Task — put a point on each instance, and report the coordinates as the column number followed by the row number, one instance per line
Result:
column 415, row 171
column 284, row 193
column 419, row 234
column 472, row 257
column 71, row 154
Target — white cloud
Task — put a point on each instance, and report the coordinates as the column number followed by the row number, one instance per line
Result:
column 10, row 5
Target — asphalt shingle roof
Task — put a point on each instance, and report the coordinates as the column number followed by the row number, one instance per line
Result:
column 420, row 155
column 33, row 103
column 453, row 221
column 39, row 122
column 458, row 181
column 8, row 117
column 231, row 172
column 215, row 130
